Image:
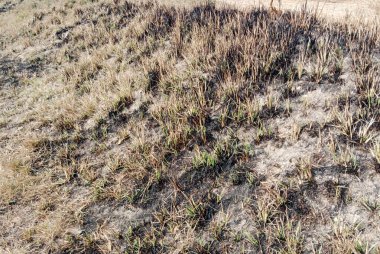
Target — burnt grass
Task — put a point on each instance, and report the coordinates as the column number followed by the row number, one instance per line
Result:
column 182, row 163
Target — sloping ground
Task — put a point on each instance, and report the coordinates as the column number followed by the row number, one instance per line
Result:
column 140, row 128
column 354, row 10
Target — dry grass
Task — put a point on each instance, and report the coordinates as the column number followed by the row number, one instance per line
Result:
column 146, row 128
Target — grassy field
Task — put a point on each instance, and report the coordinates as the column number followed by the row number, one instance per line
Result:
column 131, row 127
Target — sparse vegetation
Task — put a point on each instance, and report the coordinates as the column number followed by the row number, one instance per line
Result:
column 139, row 127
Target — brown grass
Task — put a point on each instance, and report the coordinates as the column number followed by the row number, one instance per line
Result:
column 147, row 128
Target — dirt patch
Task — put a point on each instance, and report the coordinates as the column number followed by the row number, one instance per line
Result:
column 336, row 10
